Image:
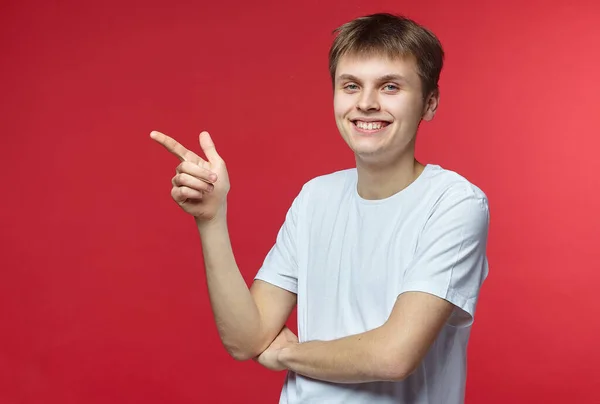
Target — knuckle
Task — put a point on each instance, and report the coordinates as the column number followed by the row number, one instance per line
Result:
column 184, row 166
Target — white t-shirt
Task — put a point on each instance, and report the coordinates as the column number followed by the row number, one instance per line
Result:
column 348, row 259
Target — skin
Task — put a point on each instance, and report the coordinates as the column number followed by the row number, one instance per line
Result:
column 251, row 321
column 380, row 88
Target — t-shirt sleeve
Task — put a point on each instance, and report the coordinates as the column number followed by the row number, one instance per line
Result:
column 450, row 259
column 280, row 266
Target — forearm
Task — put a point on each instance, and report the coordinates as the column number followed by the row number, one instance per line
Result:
column 358, row 358
column 235, row 312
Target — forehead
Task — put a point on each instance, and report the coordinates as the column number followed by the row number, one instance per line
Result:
column 373, row 66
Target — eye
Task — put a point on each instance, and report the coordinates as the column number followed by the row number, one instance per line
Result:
column 391, row 87
column 351, row 87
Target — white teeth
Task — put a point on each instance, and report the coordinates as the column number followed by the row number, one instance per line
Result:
column 369, row 125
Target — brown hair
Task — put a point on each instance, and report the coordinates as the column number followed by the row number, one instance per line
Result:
column 393, row 36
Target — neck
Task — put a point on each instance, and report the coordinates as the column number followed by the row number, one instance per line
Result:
column 378, row 181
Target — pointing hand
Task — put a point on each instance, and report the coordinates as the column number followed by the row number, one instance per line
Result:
column 200, row 186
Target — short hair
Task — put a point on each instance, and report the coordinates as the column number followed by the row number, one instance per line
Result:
column 393, row 36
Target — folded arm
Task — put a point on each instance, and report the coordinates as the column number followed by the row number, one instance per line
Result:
column 387, row 353
column 443, row 279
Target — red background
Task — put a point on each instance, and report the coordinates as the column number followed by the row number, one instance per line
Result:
column 102, row 292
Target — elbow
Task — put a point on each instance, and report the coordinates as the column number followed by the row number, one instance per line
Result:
column 241, row 353
column 397, row 360
column 250, row 348
column 395, row 369
column 395, row 372
column 399, row 374
column 240, row 356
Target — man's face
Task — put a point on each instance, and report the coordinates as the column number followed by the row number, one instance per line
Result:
column 378, row 105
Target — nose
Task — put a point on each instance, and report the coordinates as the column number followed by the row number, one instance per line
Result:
column 368, row 101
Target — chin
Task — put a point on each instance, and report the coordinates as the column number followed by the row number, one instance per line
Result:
column 366, row 146
column 368, row 153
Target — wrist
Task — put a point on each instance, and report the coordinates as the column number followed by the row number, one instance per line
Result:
column 285, row 355
column 218, row 220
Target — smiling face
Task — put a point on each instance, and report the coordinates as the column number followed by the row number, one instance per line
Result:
column 378, row 106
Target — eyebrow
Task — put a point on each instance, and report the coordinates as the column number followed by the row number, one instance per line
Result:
column 387, row 77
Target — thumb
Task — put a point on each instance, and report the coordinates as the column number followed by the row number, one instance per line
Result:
column 208, row 147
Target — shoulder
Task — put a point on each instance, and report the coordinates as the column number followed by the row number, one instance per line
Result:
column 455, row 198
column 327, row 185
column 447, row 182
column 446, row 186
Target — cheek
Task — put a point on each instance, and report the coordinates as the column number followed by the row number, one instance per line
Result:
column 402, row 108
column 342, row 104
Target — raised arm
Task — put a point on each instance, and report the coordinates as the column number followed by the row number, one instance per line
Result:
column 247, row 319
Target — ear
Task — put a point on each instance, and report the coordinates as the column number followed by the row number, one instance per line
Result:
column 431, row 104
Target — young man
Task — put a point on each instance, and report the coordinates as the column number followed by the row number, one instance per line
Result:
column 384, row 261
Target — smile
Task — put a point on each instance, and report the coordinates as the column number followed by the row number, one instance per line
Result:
column 370, row 127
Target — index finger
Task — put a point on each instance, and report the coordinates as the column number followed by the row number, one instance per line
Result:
column 175, row 148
